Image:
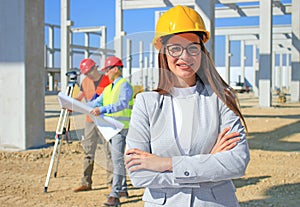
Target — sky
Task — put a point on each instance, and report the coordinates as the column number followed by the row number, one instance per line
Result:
column 141, row 23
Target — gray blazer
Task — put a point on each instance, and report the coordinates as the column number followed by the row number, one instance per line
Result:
column 199, row 178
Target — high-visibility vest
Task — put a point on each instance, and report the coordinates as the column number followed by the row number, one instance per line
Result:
column 111, row 96
column 89, row 90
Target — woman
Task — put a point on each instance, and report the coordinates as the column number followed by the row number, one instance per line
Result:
column 186, row 140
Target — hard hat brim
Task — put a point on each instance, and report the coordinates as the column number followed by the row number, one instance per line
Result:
column 157, row 39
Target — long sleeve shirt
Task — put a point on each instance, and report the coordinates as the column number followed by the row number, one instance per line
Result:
column 122, row 103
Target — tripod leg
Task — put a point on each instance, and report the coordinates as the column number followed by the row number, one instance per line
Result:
column 67, row 131
column 58, row 155
column 60, row 130
column 57, row 142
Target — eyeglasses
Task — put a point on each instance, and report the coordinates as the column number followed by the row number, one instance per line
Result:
column 108, row 68
column 176, row 50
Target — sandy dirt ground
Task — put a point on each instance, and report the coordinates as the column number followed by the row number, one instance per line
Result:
column 272, row 177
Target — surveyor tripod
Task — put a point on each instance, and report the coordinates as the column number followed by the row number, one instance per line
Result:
column 62, row 129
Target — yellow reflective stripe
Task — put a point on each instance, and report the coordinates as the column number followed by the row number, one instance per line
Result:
column 122, row 118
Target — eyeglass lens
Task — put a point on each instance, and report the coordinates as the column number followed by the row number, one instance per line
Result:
column 176, row 50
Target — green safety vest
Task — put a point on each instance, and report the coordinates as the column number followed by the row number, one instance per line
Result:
column 111, row 96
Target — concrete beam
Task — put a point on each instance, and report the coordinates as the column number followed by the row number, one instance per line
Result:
column 96, row 29
column 143, row 4
column 248, row 11
column 278, row 39
column 252, row 30
column 220, row 12
column 234, row 1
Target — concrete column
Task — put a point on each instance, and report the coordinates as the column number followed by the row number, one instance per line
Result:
column 265, row 60
column 146, row 68
column 227, row 59
column 51, row 81
column 86, row 44
column 207, row 12
column 22, row 77
column 156, row 17
column 50, row 62
column 141, row 63
column 280, row 73
column 295, row 83
column 103, row 41
column 118, row 43
column 255, row 71
column 129, row 58
column 243, row 58
column 64, row 42
column 288, row 72
column 51, row 47
column 273, row 69
column 151, row 65
column 70, row 23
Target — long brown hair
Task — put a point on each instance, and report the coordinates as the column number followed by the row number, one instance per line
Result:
column 207, row 74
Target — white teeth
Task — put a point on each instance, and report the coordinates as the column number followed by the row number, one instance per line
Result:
column 184, row 65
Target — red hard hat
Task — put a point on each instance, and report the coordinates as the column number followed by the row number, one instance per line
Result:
column 112, row 61
column 86, row 65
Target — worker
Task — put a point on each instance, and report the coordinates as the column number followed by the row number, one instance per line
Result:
column 116, row 101
column 92, row 86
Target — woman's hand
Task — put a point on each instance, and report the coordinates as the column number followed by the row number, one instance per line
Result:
column 95, row 111
column 138, row 160
column 225, row 141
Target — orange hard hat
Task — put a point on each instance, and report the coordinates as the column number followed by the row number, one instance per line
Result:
column 179, row 19
column 86, row 65
column 111, row 62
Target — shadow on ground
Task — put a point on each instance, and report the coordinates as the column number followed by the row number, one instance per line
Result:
column 241, row 182
column 278, row 196
column 272, row 140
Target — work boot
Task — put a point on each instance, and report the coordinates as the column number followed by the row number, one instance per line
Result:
column 82, row 188
column 112, row 201
column 123, row 194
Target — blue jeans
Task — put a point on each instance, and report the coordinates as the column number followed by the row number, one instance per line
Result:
column 117, row 147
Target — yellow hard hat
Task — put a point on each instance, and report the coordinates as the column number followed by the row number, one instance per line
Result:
column 179, row 19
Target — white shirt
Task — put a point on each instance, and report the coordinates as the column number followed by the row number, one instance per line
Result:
column 184, row 111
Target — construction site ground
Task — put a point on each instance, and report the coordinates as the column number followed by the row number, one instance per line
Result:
column 272, row 177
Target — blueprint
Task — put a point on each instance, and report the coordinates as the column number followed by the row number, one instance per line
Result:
column 108, row 126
